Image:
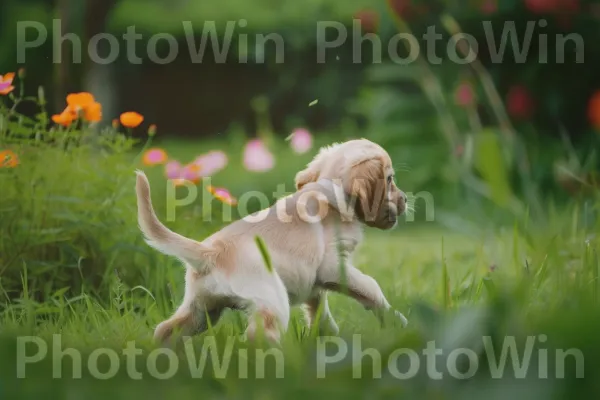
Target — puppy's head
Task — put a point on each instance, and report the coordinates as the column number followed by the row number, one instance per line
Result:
column 367, row 177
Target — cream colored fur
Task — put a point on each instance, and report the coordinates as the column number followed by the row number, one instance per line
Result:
column 308, row 234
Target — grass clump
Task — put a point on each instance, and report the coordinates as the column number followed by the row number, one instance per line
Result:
column 66, row 202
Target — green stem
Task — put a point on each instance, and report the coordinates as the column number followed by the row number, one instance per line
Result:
column 495, row 102
column 137, row 158
column 433, row 89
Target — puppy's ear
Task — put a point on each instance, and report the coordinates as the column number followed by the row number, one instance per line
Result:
column 315, row 167
column 367, row 186
column 306, row 176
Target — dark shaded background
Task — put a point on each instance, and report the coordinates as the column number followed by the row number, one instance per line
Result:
column 204, row 99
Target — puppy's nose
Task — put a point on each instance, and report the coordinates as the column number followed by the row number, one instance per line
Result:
column 403, row 196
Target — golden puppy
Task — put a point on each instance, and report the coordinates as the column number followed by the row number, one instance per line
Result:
column 310, row 236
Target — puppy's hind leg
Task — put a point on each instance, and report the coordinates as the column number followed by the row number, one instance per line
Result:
column 188, row 320
column 191, row 316
column 264, row 298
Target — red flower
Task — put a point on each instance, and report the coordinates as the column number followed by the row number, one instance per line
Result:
column 400, row 7
column 369, row 20
column 405, row 9
column 489, row 6
column 464, row 95
column 566, row 10
column 594, row 110
column 553, row 6
column 542, row 6
column 519, row 102
column 572, row 6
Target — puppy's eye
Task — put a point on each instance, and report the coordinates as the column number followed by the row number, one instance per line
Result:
column 390, row 179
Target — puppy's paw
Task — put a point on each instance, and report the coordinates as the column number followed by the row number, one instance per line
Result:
column 328, row 329
column 402, row 318
column 389, row 316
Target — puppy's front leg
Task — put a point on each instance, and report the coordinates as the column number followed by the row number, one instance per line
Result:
column 361, row 287
column 326, row 323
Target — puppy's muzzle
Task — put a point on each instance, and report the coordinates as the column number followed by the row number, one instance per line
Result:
column 402, row 202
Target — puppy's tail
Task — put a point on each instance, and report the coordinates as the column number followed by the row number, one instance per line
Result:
column 158, row 236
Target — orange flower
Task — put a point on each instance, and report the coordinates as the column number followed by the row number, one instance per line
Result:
column 8, row 159
column 179, row 182
column 93, row 113
column 80, row 101
column 131, row 119
column 83, row 104
column 65, row 118
column 6, row 85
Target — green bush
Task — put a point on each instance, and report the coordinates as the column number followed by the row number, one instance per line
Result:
column 66, row 206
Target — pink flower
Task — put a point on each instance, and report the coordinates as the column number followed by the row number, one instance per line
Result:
column 223, row 195
column 211, row 162
column 257, row 157
column 154, row 157
column 173, row 170
column 179, row 174
column 301, row 140
column 4, row 85
column 464, row 95
column 519, row 102
column 191, row 173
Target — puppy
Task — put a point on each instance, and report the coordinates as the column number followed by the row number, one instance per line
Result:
column 310, row 237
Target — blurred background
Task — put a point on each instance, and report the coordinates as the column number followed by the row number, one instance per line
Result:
column 436, row 118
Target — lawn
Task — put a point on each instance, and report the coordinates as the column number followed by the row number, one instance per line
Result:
column 456, row 283
column 407, row 263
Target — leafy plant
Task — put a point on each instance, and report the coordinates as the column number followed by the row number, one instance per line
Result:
column 63, row 198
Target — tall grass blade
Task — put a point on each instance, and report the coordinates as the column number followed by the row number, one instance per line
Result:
column 262, row 247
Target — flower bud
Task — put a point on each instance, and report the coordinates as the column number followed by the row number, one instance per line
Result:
column 41, row 96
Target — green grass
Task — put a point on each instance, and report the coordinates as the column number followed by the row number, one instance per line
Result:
column 72, row 273
column 408, row 265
